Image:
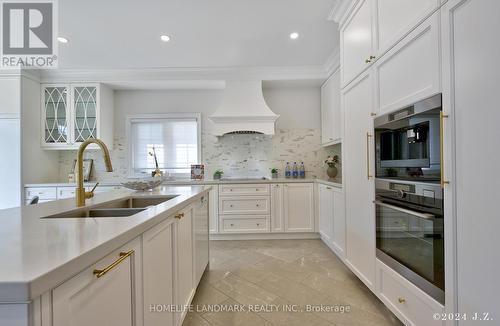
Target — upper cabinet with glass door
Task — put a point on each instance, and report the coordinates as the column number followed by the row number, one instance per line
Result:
column 74, row 113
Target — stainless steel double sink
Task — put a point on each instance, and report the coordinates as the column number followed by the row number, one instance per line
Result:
column 116, row 208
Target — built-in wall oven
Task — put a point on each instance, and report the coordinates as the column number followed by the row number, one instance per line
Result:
column 409, row 196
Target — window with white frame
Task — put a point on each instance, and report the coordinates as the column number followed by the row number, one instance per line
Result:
column 174, row 138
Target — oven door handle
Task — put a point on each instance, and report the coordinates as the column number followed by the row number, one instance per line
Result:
column 404, row 210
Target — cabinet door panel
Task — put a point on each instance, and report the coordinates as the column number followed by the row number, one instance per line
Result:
column 356, row 41
column 471, row 200
column 87, row 300
column 410, row 71
column 85, row 112
column 398, row 17
column 299, row 207
column 330, row 110
column 158, row 273
column 359, row 186
column 339, row 222
column 55, row 115
column 326, row 213
column 184, row 250
column 214, row 209
column 277, row 218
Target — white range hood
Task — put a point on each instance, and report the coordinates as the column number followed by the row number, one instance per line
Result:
column 244, row 110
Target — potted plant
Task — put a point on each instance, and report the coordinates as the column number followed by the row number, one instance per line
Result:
column 332, row 169
column 274, row 173
column 218, row 174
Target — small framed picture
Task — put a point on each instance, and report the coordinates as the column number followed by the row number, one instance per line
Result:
column 87, row 169
column 197, row 171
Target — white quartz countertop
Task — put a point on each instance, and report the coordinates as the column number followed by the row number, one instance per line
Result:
column 332, row 182
column 37, row 254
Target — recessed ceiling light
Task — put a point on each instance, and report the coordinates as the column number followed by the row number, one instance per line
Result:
column 62, row 39
column 165, row 38
column 294, row 36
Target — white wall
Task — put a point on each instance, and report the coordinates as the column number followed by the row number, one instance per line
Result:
column 298, row 134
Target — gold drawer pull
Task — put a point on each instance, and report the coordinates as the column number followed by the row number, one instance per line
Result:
column 401, row 300
column 123, row 255
column 179, row 216
column 232, row 224
column 257, row 205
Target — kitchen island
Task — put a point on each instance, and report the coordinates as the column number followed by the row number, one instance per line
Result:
column 53, row 257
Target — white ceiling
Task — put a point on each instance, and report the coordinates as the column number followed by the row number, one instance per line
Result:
column 118, row 34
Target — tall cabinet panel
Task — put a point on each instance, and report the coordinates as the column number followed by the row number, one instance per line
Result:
column 359, row 184
column 470, row 99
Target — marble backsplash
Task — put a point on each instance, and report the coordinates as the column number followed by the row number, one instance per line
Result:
column 236, row 155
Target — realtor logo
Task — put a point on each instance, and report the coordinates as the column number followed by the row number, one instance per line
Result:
column 28, row 34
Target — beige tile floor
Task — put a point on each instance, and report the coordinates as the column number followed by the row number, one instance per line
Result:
column 279, row 274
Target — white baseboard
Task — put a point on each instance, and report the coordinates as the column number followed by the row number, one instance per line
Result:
column 336, row 250
column 264, row 236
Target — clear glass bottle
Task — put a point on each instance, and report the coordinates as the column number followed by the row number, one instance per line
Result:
column 295, row 170
column 302, row 171
column 288, row 170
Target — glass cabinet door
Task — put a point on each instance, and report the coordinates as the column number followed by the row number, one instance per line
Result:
column 56, row 115
column 85, row 113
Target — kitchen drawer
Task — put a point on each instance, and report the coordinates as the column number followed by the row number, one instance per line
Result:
column 101, row 189
column 66, row 192
column 244, row 190
column 45, row 193
column 409, row 303
column 247, row 224
column 245, row 205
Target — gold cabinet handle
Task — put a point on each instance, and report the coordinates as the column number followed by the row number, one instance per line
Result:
column 368, row 61
column 123, row 255
column 368, row 136
column 401, row 300
column 179, row 216
column 372, row 57
column 441, row 147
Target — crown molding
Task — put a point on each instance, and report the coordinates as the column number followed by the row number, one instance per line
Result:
column 130, row 77
column 332, row 64
column 339, row 10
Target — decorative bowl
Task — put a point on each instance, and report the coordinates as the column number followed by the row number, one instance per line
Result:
column 143, row 184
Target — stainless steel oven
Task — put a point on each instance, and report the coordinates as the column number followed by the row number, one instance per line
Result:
column 410, row 232
column 407, row 142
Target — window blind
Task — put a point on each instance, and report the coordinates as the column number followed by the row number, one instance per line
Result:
column 175, row 142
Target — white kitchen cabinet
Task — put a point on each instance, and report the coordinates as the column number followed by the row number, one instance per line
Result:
column 110, row 299
column 214, row 209
column 184, row 261
column 405, row 300
column 277, row 213
column 326, row 210
column 200, row 237
column 158, row 271
column 331, row 126
column 246, row 205
column 358, row 173
column 410, row 71
column 298, row 201
column 332, row 218
column 73, row 113
column 396, row 18
column 339, row 231
column 357, row 50
column 470, row 99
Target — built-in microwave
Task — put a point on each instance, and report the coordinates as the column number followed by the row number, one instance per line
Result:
column 407, row 142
